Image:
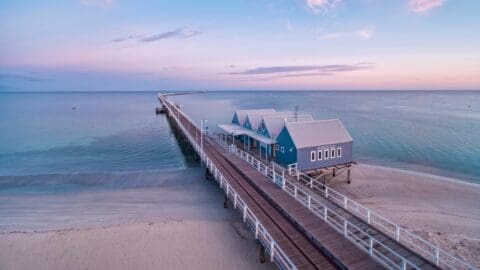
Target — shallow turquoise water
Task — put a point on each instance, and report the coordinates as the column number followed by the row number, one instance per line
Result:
column 432, row 132
column 40, row 134
column 437, row 132
column 113, row 160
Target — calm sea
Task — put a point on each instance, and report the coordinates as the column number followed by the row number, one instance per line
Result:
column 436, row 132
column 66, row 144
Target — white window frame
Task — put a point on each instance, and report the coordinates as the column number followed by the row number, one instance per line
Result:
column 333, row 153
column 313, row 156
column 277, row 147
column 320, row 154
column 326, row 154
column 282, row 149
column 339, row 152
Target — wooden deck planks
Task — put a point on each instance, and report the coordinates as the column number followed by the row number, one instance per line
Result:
column 329, row 239
column 294, row 235
column 292, row 224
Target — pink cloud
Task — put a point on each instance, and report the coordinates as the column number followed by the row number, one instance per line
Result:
column 321, row 5
column 420, row 6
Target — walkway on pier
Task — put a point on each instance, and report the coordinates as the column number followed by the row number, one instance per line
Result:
column 298, row 223
column 392, row 252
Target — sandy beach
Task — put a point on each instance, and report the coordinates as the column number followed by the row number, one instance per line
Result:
column 444, row 211
column 199, row 233
column 168, row 244
column 144, row 220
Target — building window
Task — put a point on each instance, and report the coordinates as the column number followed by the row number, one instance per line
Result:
column 339, row 152
column 282, row 149
column 312, row 156
column 319, row 155
column 333, row 153
column 277, row 147
column 325, row 154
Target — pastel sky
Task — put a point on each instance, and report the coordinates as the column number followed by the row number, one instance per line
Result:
column 107, row 45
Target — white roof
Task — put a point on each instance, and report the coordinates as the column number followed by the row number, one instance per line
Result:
column 275, row 124
column 242, row 114
column 317, row 133
column 232, row 129
column 256, row 118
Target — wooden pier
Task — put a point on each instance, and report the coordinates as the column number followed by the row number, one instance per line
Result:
column 298, row 226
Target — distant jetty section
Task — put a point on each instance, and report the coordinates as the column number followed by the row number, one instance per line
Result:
column 162, row 109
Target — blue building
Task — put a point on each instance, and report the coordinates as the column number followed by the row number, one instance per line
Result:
column 292, row 140
column 314, row 144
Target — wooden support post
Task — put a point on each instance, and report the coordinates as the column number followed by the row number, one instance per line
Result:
column 263, row 257
column 333, row 172
column 225, row 202
column 348, row 176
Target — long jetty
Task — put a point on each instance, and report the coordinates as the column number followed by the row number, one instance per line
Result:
column 299, row 223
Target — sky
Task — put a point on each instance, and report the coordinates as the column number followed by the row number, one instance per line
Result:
column 119, row 45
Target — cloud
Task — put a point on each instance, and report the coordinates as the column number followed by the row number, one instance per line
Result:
column 130, row 37
column 288, row 26
column 421, row 6
column 321, row 5
column 364, row 33
column 299, row 71
column 181, row 33
column 22, row 77
column 177, row 33
column 105, row 3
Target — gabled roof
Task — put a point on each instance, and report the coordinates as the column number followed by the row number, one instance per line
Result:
column 242, row 114
column 255, row 119
column 274, row 124
column 236, row 130
column 316, row 133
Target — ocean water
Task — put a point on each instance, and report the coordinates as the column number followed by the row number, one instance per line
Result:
column 429, row 132
column 107, row 132
column 112, row 159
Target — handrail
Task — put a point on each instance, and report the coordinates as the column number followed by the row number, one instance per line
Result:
column 426, row 249
column 261, row 233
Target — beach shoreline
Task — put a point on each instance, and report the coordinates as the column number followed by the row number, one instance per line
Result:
column 440, row 209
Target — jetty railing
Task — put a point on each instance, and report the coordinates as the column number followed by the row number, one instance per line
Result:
column 416, row 243
column 365, row 241
column 275, row 252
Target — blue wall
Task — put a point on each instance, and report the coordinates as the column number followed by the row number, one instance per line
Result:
column 289, row 154
column 304, row 156
column 235, row 119
column 247, row 124
column 262, row 130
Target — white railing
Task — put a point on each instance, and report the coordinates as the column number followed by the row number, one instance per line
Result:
column 419, row 245
column 277, row 255
column 423, row 248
